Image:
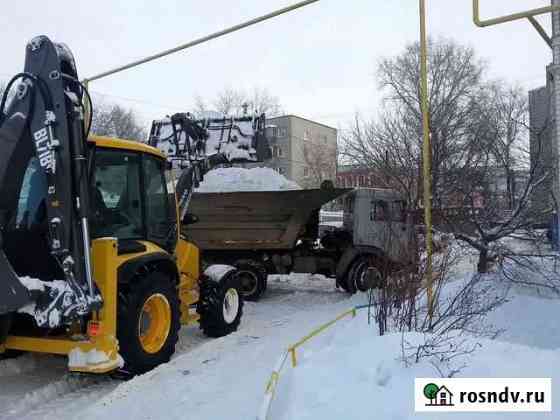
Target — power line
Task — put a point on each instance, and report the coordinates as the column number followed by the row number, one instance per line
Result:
column 139, row 101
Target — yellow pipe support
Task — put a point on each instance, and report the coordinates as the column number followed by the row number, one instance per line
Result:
column 274, row 377
column 508, row 18
column 426, row 154
column 202, row 39
column 292, row 349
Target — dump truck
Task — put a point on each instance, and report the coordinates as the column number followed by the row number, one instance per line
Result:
column 94, row 263
column 278, row 232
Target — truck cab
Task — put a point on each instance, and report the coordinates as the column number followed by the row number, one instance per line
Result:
column 377, row 218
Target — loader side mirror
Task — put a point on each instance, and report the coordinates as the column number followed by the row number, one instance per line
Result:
column 190, row 219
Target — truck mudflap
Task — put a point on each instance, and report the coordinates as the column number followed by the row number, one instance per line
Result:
column 13, row 294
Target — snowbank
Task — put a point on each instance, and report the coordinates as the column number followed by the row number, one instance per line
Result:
column 241, row 179
column 355, row 374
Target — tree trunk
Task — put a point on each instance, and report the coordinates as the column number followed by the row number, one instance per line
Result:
column 483, row 261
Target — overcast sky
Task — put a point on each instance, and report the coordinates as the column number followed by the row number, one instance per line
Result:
column 320, row 60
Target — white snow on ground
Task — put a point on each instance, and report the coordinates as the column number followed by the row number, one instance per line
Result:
column 242, row 179
column 347, row 373
column 355, row 374
column 206, row 379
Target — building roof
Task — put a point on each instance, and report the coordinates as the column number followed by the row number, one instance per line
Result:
column 302, row 118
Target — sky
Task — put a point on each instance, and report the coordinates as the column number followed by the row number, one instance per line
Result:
column 319, row 60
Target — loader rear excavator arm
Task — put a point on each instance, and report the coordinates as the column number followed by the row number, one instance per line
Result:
column 44, row 122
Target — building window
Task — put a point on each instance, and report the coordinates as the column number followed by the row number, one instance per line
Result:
column 306, row 171
column 325, row 139
column 307, row 134
column 282, row 132
column 278, row 151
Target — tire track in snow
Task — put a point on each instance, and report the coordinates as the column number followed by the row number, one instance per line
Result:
column 52, row 396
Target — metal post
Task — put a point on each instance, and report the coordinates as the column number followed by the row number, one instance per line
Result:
column 555, row 102
column 426, row 155
column 509, row 18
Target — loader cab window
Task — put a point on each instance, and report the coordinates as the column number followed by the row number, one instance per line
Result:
column 160, row 222
column 116, row 199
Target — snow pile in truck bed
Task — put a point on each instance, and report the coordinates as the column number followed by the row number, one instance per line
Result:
column 242, row 179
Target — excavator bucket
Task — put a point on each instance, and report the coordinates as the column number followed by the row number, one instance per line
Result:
column 14, row 155
column 13, row 295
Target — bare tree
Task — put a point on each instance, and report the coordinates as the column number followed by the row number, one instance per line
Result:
column 236, row 102
column 495, row 187
column 482, row 185
column 115, row 121
column 393, row 145
column 460, row 310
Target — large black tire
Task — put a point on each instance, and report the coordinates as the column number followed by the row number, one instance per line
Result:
column 342, row 284
column 215, row 321
column 358, row 275
column 253, row 278
column 349, row 281
column 5, row 323
column 134, row 323
column 359, row 271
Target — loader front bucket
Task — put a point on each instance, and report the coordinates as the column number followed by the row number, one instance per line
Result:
column 14, row 156
column 13, row 294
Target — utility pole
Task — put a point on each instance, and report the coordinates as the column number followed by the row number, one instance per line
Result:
column 555, row 107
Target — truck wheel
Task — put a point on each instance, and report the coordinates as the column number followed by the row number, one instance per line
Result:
column 360, row 275
column 342, row 284
column 350, row 283
column 220, row 306
column 252, row 277
column 148, row 322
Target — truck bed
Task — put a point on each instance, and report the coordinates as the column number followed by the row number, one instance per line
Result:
column 254, row 220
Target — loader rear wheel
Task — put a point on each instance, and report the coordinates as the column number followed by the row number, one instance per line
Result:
column 253, row 278
column 5, row 323
column 220, row 305
column 148, row 322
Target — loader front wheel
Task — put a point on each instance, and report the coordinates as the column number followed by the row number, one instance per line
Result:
column 148, row 322
column 5, row 323
column 220, row 305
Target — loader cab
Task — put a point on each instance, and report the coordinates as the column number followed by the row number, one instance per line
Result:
column 129, row 199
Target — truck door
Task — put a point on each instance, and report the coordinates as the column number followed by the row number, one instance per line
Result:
column 390, row 228
column 401, row 232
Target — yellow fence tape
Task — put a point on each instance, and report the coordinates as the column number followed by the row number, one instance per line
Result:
column 270, row 389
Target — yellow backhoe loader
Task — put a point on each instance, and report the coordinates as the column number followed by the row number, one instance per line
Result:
column 93, row 263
